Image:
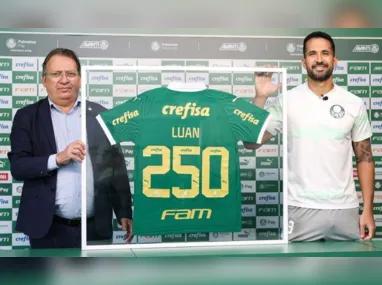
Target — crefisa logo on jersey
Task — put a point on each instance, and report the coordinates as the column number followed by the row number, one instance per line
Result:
column 337, row 111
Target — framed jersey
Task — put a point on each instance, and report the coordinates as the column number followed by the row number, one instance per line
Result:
column 187, row 168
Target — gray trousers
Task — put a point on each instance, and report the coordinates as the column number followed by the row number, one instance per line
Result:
column 315, row 224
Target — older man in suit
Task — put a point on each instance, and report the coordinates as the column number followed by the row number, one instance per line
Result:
column 46, row 154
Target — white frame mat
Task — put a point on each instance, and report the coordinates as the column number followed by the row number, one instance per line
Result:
column 84, row 72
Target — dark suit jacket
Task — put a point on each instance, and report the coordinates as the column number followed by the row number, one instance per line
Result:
column 32, row 142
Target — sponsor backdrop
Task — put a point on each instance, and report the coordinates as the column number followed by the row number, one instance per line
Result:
column 21, row 57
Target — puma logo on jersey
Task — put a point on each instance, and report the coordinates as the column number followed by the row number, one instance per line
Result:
column 190, row 109
column 125, row 117
column 246, row 117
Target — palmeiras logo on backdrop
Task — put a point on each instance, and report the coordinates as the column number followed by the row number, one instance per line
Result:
column 294, row 48
column 337, row 111
column 11, row 43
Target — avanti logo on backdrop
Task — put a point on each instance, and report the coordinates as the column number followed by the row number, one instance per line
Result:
column 374, row 48
column 241, row 47
column 102, row 45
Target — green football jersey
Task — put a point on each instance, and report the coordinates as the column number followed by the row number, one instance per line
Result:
column 186, row 160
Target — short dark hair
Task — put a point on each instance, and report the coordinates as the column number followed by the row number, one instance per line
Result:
column 321, row 35
column 64, row 52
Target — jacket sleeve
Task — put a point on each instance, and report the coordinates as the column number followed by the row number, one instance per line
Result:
column 24, row 165
column 121, row 198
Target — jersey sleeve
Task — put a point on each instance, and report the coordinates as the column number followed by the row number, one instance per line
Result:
column 248, row 122
column 361, row 129
column 121, row 123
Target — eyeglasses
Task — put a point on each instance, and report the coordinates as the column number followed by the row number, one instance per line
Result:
column 58, row 74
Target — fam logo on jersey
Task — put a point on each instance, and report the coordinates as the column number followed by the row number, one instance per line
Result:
column 337, row 111
column 374, row 48
column 103, row 45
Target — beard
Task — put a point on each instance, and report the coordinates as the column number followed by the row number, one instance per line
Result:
column 322, row 76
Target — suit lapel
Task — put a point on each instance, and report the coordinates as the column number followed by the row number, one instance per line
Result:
column 48, row 124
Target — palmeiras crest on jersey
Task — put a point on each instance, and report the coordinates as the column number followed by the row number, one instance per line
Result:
column 337, row 111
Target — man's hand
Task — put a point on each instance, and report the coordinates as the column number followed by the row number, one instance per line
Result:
column 127, row 226
column 367, row 220
column 263, row 84
column 75, row 151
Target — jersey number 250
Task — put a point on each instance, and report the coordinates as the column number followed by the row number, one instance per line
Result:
column 178, row 151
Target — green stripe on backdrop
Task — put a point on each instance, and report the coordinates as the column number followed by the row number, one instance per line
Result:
column 233, row 32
